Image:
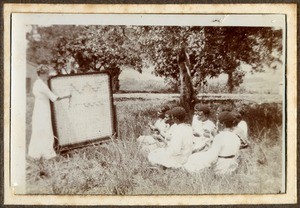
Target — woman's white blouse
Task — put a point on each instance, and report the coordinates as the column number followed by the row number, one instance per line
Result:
column 243, row 125
column 161, row 125
column 41, row 91
column 178, row 149
column 200, row 127
column 225, row 144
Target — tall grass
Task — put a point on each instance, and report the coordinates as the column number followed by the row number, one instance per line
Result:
column 119, row 168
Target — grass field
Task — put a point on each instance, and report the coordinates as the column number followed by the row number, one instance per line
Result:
column 118, row 167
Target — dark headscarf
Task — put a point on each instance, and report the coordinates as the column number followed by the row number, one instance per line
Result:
column 177, row 112
column 203, row 108
column 238, row 117
column 227, row 118
column 164, row 108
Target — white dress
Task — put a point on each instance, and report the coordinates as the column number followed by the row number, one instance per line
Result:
column 41, row 142
column 204, row 129
column 242, row 131
column 223, row 154
column 243, row 125
column 178, row 149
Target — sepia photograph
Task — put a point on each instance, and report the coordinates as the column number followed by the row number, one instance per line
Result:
column 149, row 104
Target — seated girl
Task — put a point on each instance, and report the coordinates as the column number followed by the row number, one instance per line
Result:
column 204, row 129
column 179, row 145
column 241, row 129
column 222, row 155
column 162, row 125
column 159, row 132
column 220, row 109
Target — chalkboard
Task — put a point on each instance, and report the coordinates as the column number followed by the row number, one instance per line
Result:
column 88, row 116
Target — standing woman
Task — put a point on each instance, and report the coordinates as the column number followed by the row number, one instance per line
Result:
column 42, row 138
column 241, row 128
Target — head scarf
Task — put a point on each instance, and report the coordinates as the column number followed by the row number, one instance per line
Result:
column 203, row 108
column 164, row 109
column 227, row 118
column 237, row 116
column 177, row 112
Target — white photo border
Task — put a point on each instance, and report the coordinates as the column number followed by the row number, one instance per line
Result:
column 19, row 101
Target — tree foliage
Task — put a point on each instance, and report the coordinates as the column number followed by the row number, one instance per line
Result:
column 42, row 42
column 208, row 51
column 163, row 45
column 211, row 51
column 234, row 46
column 86, row 48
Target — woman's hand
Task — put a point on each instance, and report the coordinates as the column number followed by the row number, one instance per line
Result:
column 195, row 133
column 152, row 127
column 64, row 97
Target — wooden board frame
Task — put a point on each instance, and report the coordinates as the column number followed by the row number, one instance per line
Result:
column 65, row 148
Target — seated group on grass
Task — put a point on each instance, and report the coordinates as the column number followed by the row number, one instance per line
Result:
column 176, row 144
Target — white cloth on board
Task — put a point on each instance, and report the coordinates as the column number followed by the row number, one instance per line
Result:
column 41, row 142
column 178, row 149
column 225, row 144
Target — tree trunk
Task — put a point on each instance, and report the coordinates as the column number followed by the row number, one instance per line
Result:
column 114, row 74
column 230, row 82
column 115, row 83
column 187, row 97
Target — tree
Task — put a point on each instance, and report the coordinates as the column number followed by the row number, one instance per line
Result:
column 173, row 52
column 89, row 48
column 186, row 56
column 42, row 41
column 163, row 44
column 209, row 51
column 229, row 47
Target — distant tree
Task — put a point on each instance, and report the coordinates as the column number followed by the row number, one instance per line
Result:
column 227, row 48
